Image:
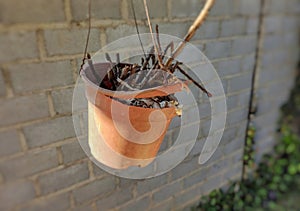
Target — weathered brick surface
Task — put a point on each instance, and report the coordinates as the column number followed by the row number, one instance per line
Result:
column 63, row 178
column 32, row 77
column 72, row 152
column 157, row 9
column 12, row 194
column 167, row 191
column 38, row 48
column 20, row 45
column 57, row 202
column 249, row 7
column 139, row 204
column 233, row 27
column 9, row 143
column 40, row 11
column 183, row 8
column 2, row 85
column 21, row 109
column 218, row 49
column 54, row 130
column 94, row 189
column 80, row 12
column 117, row 198
column 27, row 165
column 62, row 41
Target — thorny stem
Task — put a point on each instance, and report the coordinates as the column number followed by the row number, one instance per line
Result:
column 88, row 36
column 192, row 30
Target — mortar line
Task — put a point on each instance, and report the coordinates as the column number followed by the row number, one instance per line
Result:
column 41, row 44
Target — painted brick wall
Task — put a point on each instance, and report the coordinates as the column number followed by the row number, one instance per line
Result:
column 42, row 166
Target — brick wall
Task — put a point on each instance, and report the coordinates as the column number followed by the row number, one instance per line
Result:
column 42, row 166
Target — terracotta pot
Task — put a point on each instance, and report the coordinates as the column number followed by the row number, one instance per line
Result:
column 121, row 135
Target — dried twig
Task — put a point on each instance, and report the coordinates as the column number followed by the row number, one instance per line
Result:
column 137, row 28
column 88, row 37
column 192, row 30
column 195, row 82
column 151, row 32
column 126, row 85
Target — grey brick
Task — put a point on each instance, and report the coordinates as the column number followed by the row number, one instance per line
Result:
column 249, row 7
column 157, row 9
column 173, row 29
column 248, row 63
column 272, row 42
column 121, row 31
column 184, row 168
column 233, row 146
column 20, row 45
column 236, row 116
column 94, row 189
column 196, row 177
column 167, row 191
column 233, row 27
column 40, row 12
column 184, row 8
column 209, row 30
column 228, row 67
column 275, row 6
column 252, row 26
column 163, row 206
column 12, row 194
column 244, row 98
column 139, row 204
column 115, row 199
column 86, row 207
column 49, row 132
column 293, row 6
column 21, row 109
column 222, row 7
column 62, row 100
column 272, row 24
column 218, row 49
column 98, row 171
column 151, row 184
column 233, row 173
column 59, row 203
column 63, row 178
column 72, row 152
column 187, row 196
column 240, row 82
column 211, row 184
column 63, row 41
column 2, row 85
column 232, row 102
column 9, row 143
column 290, row 23
column 197, row 148
column 30, row 77
column 228, row 135
column 100, row 9
column 29, row 164
column 242, row 46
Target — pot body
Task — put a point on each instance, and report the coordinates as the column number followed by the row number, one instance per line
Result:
column 121, row 135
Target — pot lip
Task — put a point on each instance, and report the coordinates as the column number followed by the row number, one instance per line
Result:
column 143, row 93
column 170, row 112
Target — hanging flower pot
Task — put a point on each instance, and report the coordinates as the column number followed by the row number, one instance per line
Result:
column 130, row 106
column 111, row 120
